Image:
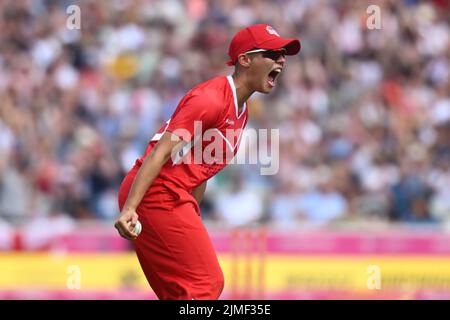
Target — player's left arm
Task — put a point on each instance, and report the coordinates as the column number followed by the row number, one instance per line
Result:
column 199, row 191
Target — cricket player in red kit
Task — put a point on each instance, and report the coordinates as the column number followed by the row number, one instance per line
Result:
column 167, row 183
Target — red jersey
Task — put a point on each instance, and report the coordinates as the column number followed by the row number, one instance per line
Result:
column 208, row 120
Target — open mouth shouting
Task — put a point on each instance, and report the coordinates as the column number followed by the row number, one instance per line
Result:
column 273, row 75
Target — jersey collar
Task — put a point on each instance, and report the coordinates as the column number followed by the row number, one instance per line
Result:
column 233, row 89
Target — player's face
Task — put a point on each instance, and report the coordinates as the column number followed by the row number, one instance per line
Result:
column 265, row 68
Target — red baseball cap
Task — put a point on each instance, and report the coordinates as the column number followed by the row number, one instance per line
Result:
column 260, row 36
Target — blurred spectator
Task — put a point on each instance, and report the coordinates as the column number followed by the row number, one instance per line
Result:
column 16, row 193
column 240, row 206
column 7, row 236
column 439, row 180
column 323, row 203
column 411, row 194
column 284, row 205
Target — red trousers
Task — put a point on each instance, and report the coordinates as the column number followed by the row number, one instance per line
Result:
column 174, row 249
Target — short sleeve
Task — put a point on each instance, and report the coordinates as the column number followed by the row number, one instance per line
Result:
column 193, row 116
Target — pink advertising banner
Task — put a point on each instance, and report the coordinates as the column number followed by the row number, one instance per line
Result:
column 329, row 242
column 404, row 241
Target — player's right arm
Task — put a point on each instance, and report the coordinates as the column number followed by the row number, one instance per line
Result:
column 149, row 170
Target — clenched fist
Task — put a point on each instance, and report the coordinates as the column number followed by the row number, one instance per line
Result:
column 126, row 223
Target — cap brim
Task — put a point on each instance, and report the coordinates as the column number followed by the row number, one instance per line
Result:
column 292, row 46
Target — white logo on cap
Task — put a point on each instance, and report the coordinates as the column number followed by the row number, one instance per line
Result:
column 272, row 31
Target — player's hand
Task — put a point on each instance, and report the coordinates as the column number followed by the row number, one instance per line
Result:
column 126, row 223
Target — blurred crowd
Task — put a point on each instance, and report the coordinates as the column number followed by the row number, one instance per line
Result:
column 363, row 114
